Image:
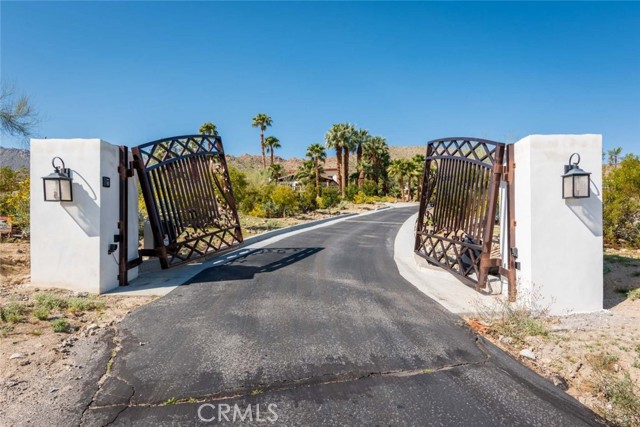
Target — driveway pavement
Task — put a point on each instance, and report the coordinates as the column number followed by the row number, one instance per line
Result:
column 322, row 327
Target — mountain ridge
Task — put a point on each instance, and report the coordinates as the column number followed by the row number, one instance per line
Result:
column 17, row 158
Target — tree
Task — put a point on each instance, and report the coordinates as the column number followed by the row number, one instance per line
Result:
column 306, row 173
column 340, row 138
column 621, row 203
column 398, row 169
column 349, row 146
column 361, row 138
column 317, row 154
column 613, row 154
column 276, row 171
column 208, row 128
column 271, row 143
column 262, row 121
column 17, row 116
column 419, row 161
column 376, row 159
column 411, row 170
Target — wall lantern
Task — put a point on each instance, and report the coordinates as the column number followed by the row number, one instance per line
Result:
column 57, row 185
column 575, row 181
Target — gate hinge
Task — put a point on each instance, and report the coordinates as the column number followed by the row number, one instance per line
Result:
column 129, row 171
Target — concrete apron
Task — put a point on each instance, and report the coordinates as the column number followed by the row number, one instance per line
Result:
column 435, row 282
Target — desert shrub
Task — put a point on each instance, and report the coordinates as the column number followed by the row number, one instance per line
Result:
column 360, row 198
column 41, row 313
column 284, row 201
column 256, row 194
column 13, row 312
column 621, row 199
column 369, row 188
column 307, row 199
column 330, row 197
column 350, row 192
column 78, row 305
column 239, row 185
column 50, row 301
column 60, row 325
column 15, row 203
column 258, row 211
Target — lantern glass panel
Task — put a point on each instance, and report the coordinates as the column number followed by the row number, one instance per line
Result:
column 567, row 187
column 581, row 186
column 52, row 191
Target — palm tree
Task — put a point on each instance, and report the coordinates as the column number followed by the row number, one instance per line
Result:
column 361, row 138
column 396, row 169
column 271, row 143
column 376, row 158
column 411, row 170
column 613, row 155
column 276, row 171
column 348, row 146
column 262, row 121
column 306, row 172
column 208, row 128
column 419, row 160
column 317, row 153
column 333, row 139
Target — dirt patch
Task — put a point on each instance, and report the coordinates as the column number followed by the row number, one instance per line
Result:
column 594, row 357
column 45, row 375
column 15, row 265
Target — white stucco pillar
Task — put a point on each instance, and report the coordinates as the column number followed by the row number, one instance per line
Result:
column 559, row 241
column 70, row 240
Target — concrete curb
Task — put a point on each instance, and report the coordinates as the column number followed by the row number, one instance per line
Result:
column 435, row 282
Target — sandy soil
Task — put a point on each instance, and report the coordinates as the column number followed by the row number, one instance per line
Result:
column 44, row 375
column 580, row 351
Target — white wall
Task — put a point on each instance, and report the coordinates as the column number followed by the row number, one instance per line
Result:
column 559, row 241
column 69, row 240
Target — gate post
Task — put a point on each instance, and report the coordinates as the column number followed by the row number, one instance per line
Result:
column 559, row 241
column 76, row 244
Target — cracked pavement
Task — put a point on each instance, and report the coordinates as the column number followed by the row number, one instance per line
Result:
column 321, row 325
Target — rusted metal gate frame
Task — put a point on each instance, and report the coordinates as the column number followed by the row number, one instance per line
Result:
column 175, row 204
column 454, row 154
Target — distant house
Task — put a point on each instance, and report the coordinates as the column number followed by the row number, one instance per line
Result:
column 328, row 178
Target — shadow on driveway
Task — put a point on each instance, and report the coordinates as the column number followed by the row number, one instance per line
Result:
column 254, row 261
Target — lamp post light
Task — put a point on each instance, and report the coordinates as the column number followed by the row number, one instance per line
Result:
column 575, row 181
column 57, row 185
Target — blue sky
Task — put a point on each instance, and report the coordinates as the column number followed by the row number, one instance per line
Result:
column 132, row 72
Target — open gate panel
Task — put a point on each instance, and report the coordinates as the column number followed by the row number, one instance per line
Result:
column 188, row 195
column 458, row 206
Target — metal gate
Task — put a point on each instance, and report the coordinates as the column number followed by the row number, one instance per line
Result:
column 458, row 206
column 187, row 192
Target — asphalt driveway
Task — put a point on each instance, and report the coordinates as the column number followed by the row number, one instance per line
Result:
column 321, row 326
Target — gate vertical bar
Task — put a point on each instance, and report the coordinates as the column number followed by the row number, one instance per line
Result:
column 123, row 220
column 511, row 218
column 147, row 193
column 487, row 237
